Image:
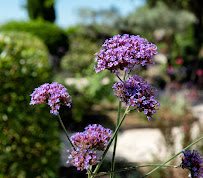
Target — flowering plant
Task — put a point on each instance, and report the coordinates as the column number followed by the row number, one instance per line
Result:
column 120, row 53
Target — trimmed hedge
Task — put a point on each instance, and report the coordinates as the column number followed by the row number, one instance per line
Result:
column 54, row 37
column 29, row 139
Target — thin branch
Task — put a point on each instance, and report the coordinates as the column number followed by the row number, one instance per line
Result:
column 119, row 78
column 110, row 142
column 133, row 168
column 173, row 157
column 62, row 125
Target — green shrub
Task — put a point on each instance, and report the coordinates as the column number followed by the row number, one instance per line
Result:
column 85, row 41
column 54, row 37
column 80, row 55
column 29, row 140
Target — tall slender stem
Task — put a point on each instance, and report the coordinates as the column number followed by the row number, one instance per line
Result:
column 173, row 157
column 62, row 125
column 133, row 168
column 115, row 141
column 89, row 171
column 117, row 122
column 119, row 78
column 110, row 142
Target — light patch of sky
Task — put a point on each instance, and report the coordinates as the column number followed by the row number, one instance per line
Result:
column 66, row 10
column 12, row 10
column 67, row 13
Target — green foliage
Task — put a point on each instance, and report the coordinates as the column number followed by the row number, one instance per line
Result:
column 145, row 20
column 80, row 55
column 99, row 85
column 29, row 140
column 184, row 45
column 190, row 5
column 176, row 105
column 97, row 88
column 54, row 37
column 41, row 9
column 85, row 41
column 102, row 16
column 195, row 7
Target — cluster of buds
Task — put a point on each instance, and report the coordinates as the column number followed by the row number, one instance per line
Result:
column 137, row 92
column 124, row 52
column 53, row 94
column 192, row 160
column 89, row 143
column 83, row 158
column 94, row 137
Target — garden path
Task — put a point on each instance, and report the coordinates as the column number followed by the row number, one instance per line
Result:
column 146, row 144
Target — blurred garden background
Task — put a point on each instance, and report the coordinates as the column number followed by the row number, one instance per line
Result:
column 37, row 46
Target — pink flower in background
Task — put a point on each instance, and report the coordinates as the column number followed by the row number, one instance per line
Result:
column 179, row 61
column 199, row 72
column 170, row 69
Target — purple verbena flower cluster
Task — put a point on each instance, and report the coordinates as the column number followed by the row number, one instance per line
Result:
column 137, row 92
column 193, row 161
column 124, row 52
column 53, row 94
column 94, row 139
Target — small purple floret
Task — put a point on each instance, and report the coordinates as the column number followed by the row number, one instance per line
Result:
column 124, row 52
column 94, row 137
column 192, row 160
column 137, row 92
column 88, row 144
column 83, row 158
column 53, row 94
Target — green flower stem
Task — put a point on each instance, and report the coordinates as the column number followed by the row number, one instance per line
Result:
column 119, row 78
column 173, row 157
column 115, row 141
column 132, row 168
column 117, row 122
column 89, row 171
column 110, row 142
column 61, row 122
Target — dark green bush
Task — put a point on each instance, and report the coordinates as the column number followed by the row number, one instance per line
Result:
column 85, row 41
column 54, row 37
column 80, row 55
column 29, row 140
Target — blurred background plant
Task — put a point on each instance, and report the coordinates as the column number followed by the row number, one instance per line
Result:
column 37, row 51
column 29, row 143
column 41, row 9
column 56, row 40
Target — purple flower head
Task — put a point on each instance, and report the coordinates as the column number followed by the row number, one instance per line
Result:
column 89, row 143
column 192, row 160
column 53, row 94
column 137, row 92
column 95, row 137
column 83, row 158
column 123, row 52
